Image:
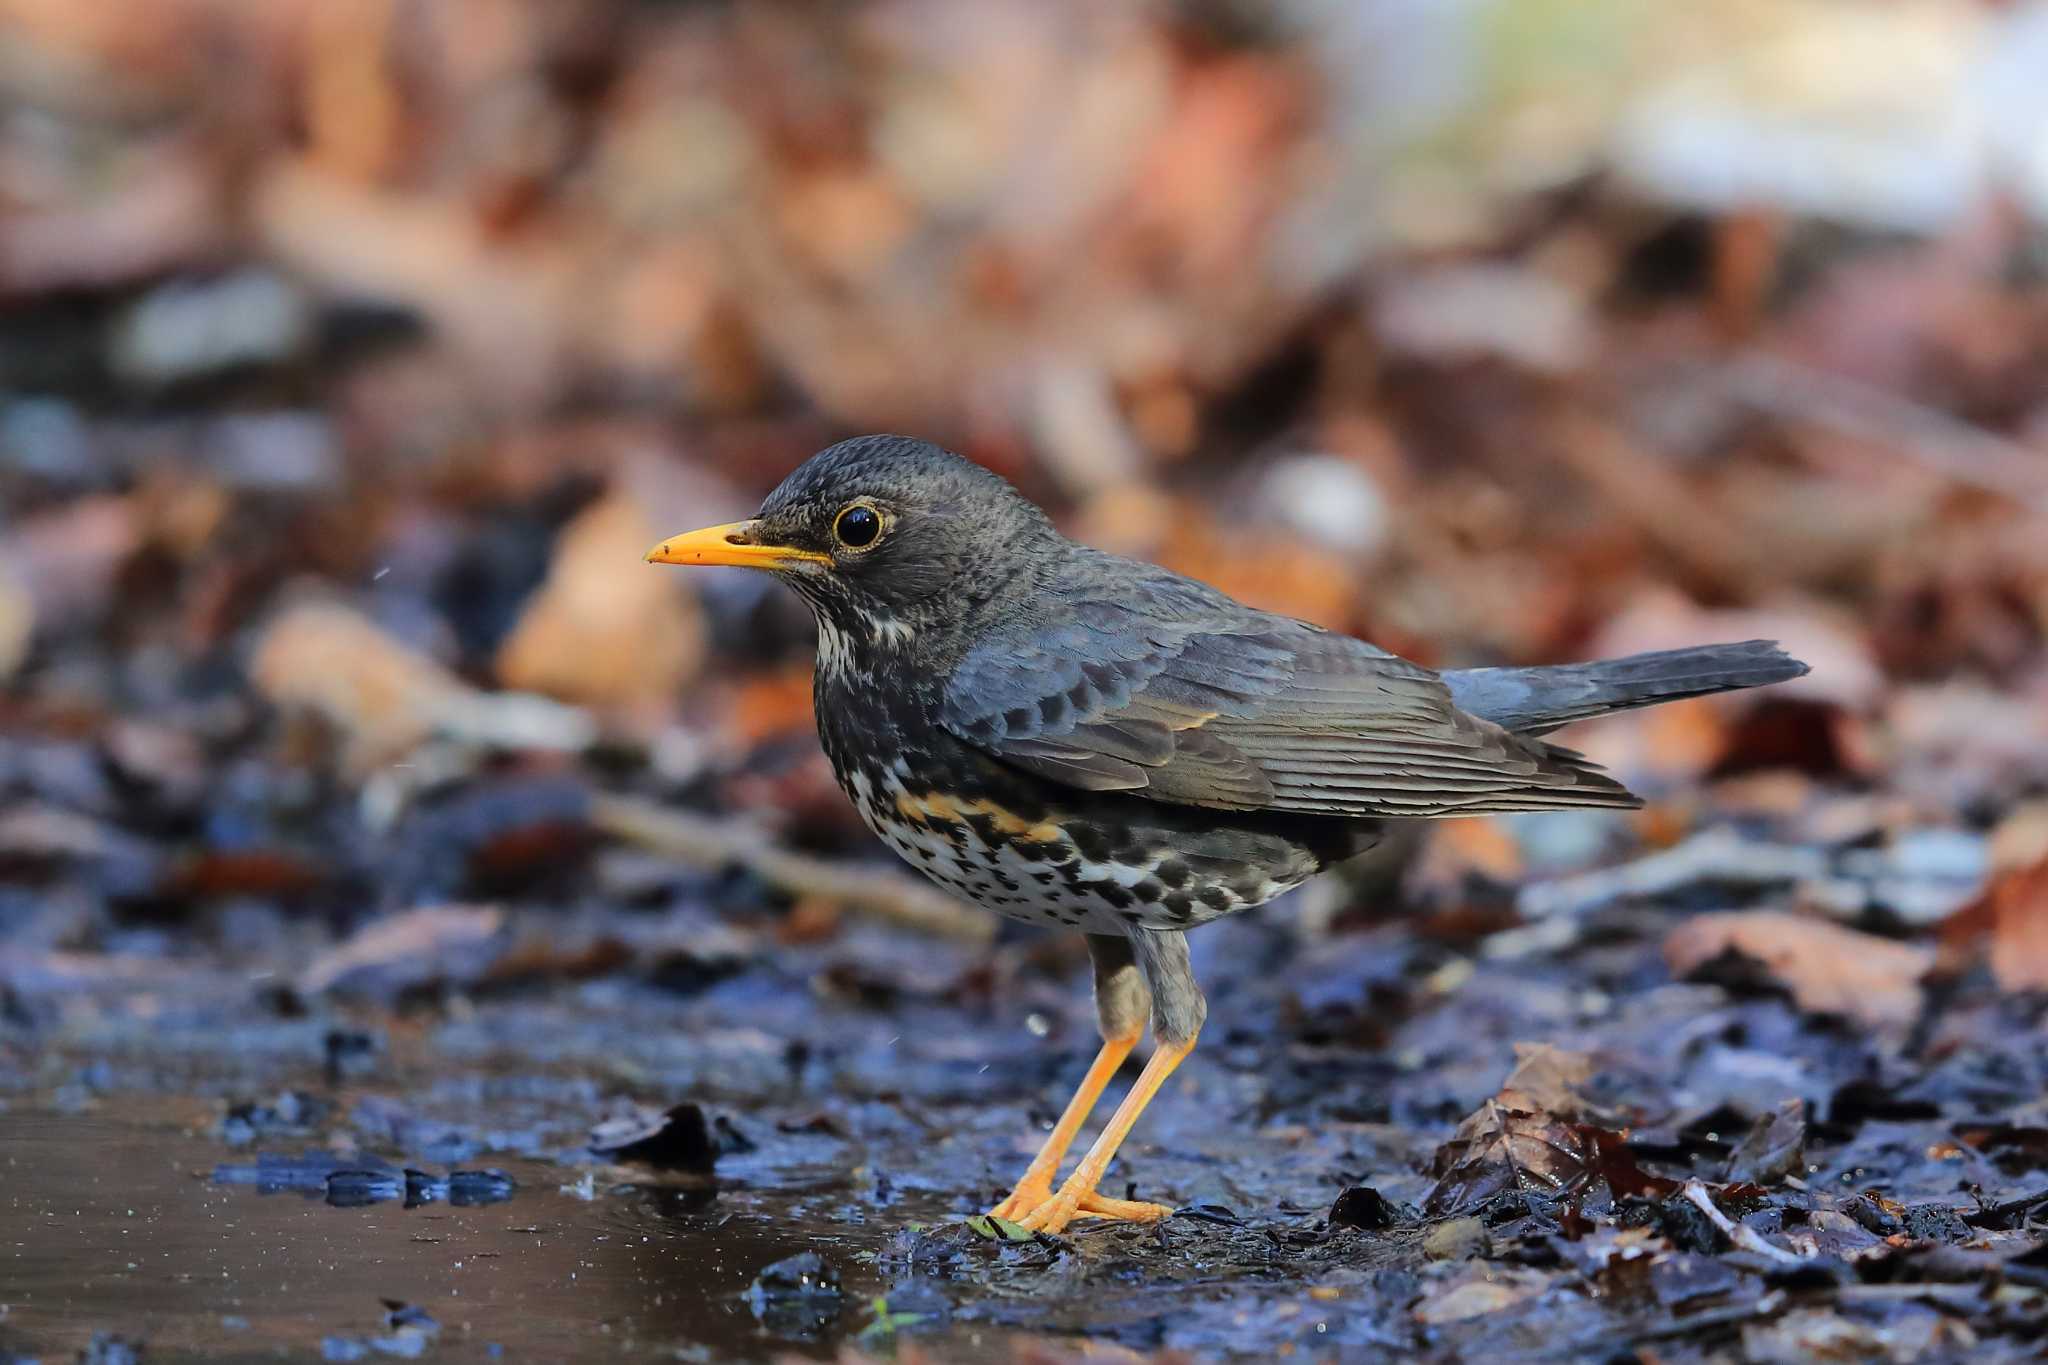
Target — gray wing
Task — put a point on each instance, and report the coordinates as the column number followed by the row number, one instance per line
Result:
column 1174, row 692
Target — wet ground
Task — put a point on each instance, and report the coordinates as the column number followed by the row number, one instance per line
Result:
column 132, row 1226
column 742, row 1146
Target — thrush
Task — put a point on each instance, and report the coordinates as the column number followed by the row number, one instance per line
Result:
column 1090, row 742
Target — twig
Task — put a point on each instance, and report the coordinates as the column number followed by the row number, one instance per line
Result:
column 1658, row 500
column 713, row 844
column 1996, row 1214
column 1717, row 855
column 1958, row 1296
column 1700, row 1326
column 1954, row 449
column 1742, row 1235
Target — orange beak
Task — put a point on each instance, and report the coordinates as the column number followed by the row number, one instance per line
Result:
column 737, row 543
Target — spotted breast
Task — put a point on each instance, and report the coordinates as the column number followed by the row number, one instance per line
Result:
column 1036, row 851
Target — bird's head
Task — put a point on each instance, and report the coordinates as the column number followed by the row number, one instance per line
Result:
column 881, row 534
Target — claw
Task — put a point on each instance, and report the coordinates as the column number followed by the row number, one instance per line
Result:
column 1028, row 1195
column 1055, row 1213
column 1121, row 1210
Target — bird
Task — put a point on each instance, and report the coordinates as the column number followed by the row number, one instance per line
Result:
column 1080, row 740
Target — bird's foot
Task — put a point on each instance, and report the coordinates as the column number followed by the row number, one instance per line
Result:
column 1054, row 1213
column 1031, row 1191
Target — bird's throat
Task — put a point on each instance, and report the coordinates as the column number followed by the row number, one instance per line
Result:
column 853, row 643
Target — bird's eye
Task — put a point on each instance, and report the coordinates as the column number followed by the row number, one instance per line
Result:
column 858, row 526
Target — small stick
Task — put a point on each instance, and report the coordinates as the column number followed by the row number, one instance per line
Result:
column 1717, row 855
column 712, row 844
column 1949, row 447
column 1742, row 1235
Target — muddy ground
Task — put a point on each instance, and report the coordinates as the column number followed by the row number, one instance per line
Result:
column 701, row 1134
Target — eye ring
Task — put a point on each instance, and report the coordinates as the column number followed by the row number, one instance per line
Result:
column 858, row 526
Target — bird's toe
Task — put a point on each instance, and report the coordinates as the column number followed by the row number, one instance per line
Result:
column 1092, row 1205
column 1067, row 1205
column 1028, row 1195
column 1053, row 1215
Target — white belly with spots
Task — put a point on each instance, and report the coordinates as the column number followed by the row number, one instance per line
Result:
column 1036, row 872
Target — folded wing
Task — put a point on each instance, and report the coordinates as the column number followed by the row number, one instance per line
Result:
column 1174, row 692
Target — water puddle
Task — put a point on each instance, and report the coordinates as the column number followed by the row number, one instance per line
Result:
column 133, row 1218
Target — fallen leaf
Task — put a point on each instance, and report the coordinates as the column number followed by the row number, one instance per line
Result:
column 771, row 705
column 1615, row 1163
column 2013, row 911
column 1524, row 1138
column 335, row 662
column 606, row 629
column 1547, row 1077
column 1458, row 849
column 1458, row 1239
column 62, row 564
column 506, row 305
column 1828, row 969
column 994, row 1228
column 1479, row 1292
column 266, row 872
column 17, row 623
column 1809, row 1334
column 1774, row 1148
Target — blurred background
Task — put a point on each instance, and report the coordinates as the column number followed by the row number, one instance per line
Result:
column 352, row 352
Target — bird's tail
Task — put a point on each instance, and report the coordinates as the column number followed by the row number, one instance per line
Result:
column 1531, row 701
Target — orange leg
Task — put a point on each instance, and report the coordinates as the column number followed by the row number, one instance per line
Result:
column 1077, row 1197
column 1036, row 1186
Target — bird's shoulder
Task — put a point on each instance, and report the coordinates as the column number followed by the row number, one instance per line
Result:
column 1113, row 624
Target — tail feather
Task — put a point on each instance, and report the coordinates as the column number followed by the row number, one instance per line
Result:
column 1532, row 701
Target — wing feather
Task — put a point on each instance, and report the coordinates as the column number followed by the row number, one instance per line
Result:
column 1176, row 693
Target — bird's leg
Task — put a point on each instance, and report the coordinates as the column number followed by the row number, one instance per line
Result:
column 1121, row 1004
column 1177, row 1014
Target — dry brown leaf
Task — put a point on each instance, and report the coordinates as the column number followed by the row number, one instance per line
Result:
column 1483, row 1290
column 353, row 108
column 1525, row 1137
column 770, row 706
column 1458, row 848
column 1548, row 1078
column 845, row 222
column 509, row 309
column 2021, row 838
column 337, row 663
column 606, row 629
column 1828, row 969
column 1687, row 737
column 1270, row 570
column 2014, row 909
column 64, row 562
column 17, row 624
